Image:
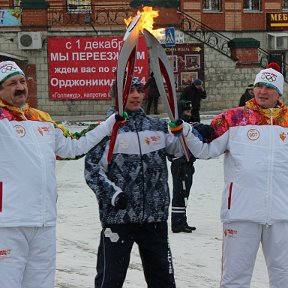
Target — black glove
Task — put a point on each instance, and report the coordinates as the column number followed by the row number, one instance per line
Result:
column 121, row 201
column 206, row 131
column 121, row 120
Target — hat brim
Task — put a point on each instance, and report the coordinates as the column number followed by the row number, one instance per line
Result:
column 268, row 85
column 10, row 75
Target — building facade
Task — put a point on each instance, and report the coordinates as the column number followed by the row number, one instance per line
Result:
column 69, row 48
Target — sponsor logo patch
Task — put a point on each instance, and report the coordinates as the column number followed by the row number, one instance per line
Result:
column 20, row 130
column 124, row 144
column 152, row 140
column 45, row 130
column 253, row 134
column 283, row 136
column 230, row 233
column 4, row 253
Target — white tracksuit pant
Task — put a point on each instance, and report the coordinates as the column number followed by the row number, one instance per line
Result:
column 27, row 257
column 241, row 242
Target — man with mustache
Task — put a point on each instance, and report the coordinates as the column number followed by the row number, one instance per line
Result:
column 30, row 141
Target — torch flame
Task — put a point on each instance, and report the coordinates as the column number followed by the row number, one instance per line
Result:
column 147, row 21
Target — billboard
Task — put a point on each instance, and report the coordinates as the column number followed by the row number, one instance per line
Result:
column 10, row 17
column 277, row 21
column 187, row 62
column 83, row 68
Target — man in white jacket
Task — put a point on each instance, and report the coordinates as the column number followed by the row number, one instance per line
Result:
column 254, row 140
column 30, row 141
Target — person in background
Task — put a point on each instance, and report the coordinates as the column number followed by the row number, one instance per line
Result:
column 255, row 199
column 248, row 95
column 153, row 94
column 194, row 93
column 182, row 173
column 112, row 90
column 30, row 142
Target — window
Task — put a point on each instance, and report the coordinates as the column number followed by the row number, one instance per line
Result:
column 212, row 5
column 78, row 6
column 285, row 4
column 252, row 5
column 16, row 3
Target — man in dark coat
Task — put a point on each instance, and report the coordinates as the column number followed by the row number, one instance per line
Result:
column 182, row 173
column 194, row 93
column 248, row 95
column 153, row 94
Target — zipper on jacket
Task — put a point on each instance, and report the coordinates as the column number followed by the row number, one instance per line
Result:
column 230, row 195
column 1, row 196
column 270, row 159
column 271, row 116
column 43, row 189
column 142, row 168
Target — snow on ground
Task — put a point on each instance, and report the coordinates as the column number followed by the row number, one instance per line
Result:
column 196, row 256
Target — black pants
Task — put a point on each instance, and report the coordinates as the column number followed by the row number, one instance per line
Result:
column 182, row 174
column 195, row 115
column 114, row 255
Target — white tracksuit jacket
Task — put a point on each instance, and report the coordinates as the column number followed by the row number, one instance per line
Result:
column 27, row 172
column 255, row 164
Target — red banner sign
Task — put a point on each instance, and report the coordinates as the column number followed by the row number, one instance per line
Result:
column 82, row 68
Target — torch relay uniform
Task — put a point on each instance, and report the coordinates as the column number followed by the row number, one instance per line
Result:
column 255, row 199
column 138, row 170
column 30, row 141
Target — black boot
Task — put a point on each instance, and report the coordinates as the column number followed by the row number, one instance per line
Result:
column 179, row 221
column 182, row 228
column 190, row 227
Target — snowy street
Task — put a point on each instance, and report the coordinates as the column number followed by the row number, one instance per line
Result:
column 196, row 256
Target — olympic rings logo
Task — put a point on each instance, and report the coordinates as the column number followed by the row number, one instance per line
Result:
column 8, row 69
column 269, row 77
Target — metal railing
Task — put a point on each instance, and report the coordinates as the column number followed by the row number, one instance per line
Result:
column 111, row 17
column 219, row 42
column 204, row 34
column 265, row 58
column 101, row 17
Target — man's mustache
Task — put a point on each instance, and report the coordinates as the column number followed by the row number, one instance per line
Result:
column 19, row 92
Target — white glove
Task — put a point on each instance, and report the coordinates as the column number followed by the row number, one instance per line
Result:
column 108, row 124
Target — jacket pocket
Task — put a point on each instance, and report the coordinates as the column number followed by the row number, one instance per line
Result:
column 1, row 196
column 230, row 195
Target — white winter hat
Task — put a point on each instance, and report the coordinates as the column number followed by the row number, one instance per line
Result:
column 8, row 69
column 272, row 78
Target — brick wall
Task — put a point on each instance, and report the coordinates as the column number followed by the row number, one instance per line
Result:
column 37, row 17
column 224, row 81
column 232, row 17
